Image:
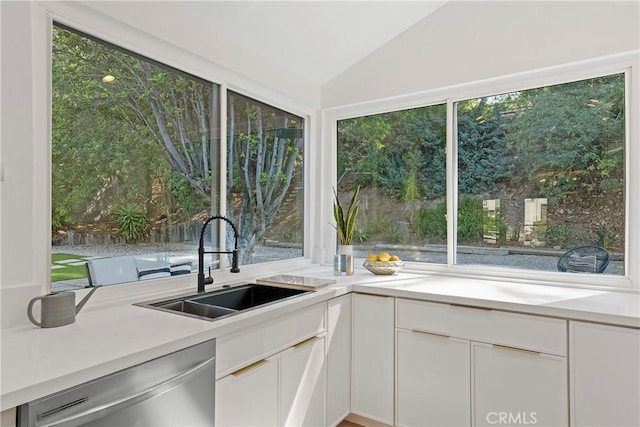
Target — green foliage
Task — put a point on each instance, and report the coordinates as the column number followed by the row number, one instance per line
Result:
column 132, row 222
column 470, row 216
column 411, row 189
column 61, row 217
column 539, row 230
column 346, row 221
column 559, row 235
column 573, row 127
column 484, row 159
column 606, row 234
column 394, row 234
column 502, row 233
column 495, row 226
column 360, row 234
column 375, row 226
column 515, row 233
column 431, row 223
column 187, row 200
column 556, row 187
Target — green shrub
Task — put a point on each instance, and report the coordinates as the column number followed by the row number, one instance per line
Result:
column 360, row 234
column 606, row 234
column 376, row 226
column 431, row 223
column 394, row 234
column 502, row 233
column 559, row 235
column 132, row 222
column 469, row 220
column 60, row 217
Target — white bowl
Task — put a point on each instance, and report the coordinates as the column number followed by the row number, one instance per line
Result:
column 383, row 267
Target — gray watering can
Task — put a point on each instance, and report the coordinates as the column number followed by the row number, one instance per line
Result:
column 57, row 309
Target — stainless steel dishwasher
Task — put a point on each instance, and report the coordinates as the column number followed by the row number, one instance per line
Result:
column 173, row 390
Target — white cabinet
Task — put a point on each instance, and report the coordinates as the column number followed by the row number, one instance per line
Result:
column 274, row 374
column 286, row 389
column 338, row 359
column 460, row 366
column 8, row 418
column 605, row 375
column 302, row 384
column 248, row 396
column 432, row 380
column 372, row 357
column 520, row 386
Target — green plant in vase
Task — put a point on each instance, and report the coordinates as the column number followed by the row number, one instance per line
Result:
column 346, row 228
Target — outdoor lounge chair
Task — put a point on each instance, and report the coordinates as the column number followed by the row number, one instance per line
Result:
column 584, row 259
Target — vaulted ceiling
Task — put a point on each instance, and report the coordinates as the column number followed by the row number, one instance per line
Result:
column 316, row 40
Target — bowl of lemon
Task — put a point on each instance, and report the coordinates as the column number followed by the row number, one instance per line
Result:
column 383, row 263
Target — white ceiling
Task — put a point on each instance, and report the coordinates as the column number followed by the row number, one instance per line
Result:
column 316, row 40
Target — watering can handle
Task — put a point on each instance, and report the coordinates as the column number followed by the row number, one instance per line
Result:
column 30, row 310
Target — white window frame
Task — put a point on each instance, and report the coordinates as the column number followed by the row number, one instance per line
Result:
column 627, row 63
column 43, row 17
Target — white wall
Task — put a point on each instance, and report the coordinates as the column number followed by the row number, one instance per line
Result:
column 467, row 41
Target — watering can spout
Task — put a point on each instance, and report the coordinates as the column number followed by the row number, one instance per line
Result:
column 85, row 299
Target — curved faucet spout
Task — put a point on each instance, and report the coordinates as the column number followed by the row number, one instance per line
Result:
column 234, row 254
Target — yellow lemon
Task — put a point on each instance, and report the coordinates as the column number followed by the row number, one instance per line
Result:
column 384, row 256
column 372, row 257
column 394, row 258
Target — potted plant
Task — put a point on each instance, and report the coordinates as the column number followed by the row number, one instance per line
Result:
column 346, row 222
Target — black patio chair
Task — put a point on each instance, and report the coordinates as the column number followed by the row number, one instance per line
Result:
column 584, row 259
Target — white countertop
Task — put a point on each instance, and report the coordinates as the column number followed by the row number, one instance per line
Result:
column 111, row 334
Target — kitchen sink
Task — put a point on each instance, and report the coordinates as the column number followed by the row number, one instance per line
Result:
column 225, row 302
column 248, row 296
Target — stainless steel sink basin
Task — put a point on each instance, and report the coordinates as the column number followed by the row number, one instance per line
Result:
column 196, row 309
column 224, row 302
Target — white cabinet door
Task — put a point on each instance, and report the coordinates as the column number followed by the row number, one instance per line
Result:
column 605, row 375
column 8, row 418
column 433, row 380
column 248, row 397
column 338, row 359
column 517, row 387
column 302, row 384
column 372, row 363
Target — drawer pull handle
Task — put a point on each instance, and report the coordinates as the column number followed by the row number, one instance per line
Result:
column 471, row 307
column 521, row 350
column 249, row 368
column 305, row 342
column 433, row 334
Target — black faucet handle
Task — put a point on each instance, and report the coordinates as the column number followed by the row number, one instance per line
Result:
column 234, row 261
column 208, row 280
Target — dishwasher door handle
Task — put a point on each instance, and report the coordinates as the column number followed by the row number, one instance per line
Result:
column 107, row 408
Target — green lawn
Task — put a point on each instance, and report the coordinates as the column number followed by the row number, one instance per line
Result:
column 66, row 271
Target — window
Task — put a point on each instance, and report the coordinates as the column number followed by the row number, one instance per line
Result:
column 398, row 160
column 538, row 171
column 541, row 171
column 265, row 179
column 136, row 157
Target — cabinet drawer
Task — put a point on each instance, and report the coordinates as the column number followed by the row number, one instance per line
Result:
column 523, row 331
column 249, row 345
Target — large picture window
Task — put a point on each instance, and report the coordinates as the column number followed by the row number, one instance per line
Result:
column 539, row 172
column 136, row 161
column 398, row 161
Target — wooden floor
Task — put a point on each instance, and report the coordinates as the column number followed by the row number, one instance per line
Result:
column 346, row 423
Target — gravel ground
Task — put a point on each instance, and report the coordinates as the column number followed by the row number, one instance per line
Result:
column 545, row 261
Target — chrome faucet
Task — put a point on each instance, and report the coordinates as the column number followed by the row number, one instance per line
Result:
column 234, row 254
